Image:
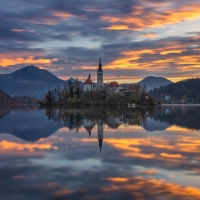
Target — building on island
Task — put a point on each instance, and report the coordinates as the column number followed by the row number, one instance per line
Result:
column 128, row 91
column 88, row 85
column 100, row 76
column 111, row 88
column 114, row 88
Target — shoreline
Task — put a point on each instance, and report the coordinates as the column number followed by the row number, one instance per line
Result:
column 180, row 105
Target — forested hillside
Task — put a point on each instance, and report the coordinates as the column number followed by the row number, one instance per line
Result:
column 4, row 97
column 188, row 89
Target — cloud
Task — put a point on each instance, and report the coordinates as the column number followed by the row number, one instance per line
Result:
column 143, row 18
column 119, row 31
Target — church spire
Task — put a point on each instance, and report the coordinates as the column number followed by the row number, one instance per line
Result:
column 100, row 65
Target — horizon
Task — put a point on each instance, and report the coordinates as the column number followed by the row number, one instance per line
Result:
column 86, row 77
column 135, row 39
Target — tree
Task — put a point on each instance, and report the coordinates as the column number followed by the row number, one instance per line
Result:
column 48, row 98
column 143, row 92
column 77, row 92
column 184, row 98
column 136, row 94
column 71, row 91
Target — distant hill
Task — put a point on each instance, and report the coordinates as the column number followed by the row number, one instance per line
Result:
column 32, row 73
column 189, row 88
column 30, row 81
column 152, row 82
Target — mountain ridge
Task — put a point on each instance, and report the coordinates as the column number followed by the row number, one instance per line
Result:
column 152, row 82
column 35, row 82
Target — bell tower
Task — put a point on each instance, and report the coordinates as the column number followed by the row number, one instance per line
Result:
column 100, row 76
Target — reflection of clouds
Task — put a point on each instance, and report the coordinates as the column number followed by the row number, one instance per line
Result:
column 141, row 188
column 68, row 165
column 107, row 182
column 13, row 146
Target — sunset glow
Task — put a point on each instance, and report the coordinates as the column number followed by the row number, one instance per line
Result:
column 135, row 39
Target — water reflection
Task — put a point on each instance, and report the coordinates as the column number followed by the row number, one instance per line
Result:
column 146, row 153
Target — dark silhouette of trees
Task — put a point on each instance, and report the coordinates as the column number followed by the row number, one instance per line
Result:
column 49, row 98
column 186, row 89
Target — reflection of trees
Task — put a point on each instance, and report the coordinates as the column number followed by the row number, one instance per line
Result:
column 186, row 117
column 74, row 118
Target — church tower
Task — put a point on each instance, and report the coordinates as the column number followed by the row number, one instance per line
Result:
column 100, row 76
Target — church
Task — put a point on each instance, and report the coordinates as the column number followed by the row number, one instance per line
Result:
column 88, row 85
column 111, row 88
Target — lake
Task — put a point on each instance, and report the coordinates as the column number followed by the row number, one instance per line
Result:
column 100, row 153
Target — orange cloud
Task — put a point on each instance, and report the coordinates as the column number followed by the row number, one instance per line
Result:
column 63, row 15
column 149, row 35
column 141, row 19
column 150, row 172
column 116, row 27
column 23, row 30
column 4, row 62
column 175, row 156
column 117, row 180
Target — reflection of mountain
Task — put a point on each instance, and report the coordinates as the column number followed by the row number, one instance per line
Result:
column 29, row 126
column 155, row 125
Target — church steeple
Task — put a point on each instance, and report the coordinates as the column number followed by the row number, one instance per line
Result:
column 100, row 66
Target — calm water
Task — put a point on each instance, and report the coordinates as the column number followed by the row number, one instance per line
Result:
column 100, row 153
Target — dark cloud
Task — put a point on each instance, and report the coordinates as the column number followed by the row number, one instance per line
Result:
column 80, row 26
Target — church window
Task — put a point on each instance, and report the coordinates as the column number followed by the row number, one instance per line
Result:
column 99, row 78
column 99, row 74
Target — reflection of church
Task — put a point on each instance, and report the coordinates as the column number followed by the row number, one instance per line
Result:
column 89, row 124
column 100, row 132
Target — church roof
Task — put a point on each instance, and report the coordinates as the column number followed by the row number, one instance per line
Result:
column 113, row 84
column 88, row 81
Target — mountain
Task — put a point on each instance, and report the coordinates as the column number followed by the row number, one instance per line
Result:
column 30, row 81
column 151, row 82
column 32, row 73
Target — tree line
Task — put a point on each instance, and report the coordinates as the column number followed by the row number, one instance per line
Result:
column 72, row 93
column 187, row 90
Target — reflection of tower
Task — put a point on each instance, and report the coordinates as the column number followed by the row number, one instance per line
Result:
column 100, row 133
column 100, row 76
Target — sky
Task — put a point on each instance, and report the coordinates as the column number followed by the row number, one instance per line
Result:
column 135, row 38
